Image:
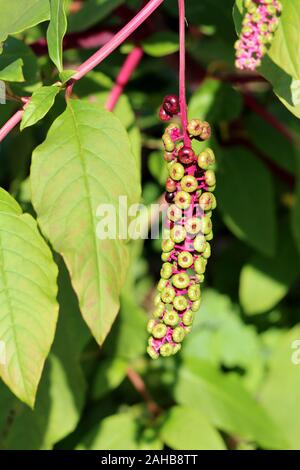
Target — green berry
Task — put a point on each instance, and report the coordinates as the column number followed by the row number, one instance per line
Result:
column 206, row 159
column 166, row 350
column 178, row 334
column 210, row 178
column 194, row 127
column 150, row 325
column 166, row 270
column 180, row 303
column 159, row 310
column 196, row 305
column 168, row 143
column 207, row 251
column 178, row 233
column 168, row 295
column 188, row 318
column 161, row 284
column 209, row 236
column 193, row 225
column 199, row 278
column 206, row 201
column 180, row 280
column 182, row 199
column 185, row 259
column 171, row 318
column 159, row 331
column 174, row 213
column 194, row 292
column 176, row 348
column 168, row 156
column 200, row 243
column 165, row 257
column 157, row 301
column 200, row 265
column 189, row 183
column 206, row 224
column 211, row 188
column 167, row 245
column 176, row 171
column 152, row 353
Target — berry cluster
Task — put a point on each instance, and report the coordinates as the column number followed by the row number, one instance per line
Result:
column 186, row 247
column 259, row 25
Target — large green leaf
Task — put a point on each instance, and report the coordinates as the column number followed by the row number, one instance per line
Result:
column 281, row 64
column 246, row 199
column 41, row 101
column 8, row 203
column 226, row 403
column 86, row 161
column 56, row 30
column 28, row 300
column 17, row 15
column 265, row 281
column 186, row 428
column 280, row 392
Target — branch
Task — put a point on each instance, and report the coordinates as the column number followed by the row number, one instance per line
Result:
column 10, row 124
column 141, row 388
column 131, row 62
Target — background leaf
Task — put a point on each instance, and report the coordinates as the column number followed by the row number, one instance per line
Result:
column 56, row 31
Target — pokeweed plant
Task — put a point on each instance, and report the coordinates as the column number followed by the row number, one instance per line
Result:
column 79, row 146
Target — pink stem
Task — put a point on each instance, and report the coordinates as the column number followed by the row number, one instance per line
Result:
column 117, row 40
column 131, row 62
column 182, row 92
column 10, row 124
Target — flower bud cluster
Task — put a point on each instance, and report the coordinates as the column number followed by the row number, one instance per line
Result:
column 258, row 28
column 186, row 248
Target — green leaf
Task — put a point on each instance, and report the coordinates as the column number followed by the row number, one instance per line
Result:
column 281, row 64
column 17, row 62
column 8, row 203
column 161, row 44
column 110, row 374
column 245, row 195
column 86, row 161
column 28, row 301
column 92, row 12
column 113, row 433
column 40, row 103
column 56, row 30
column 279, row 392
column 265, row 281
column 15, row 17
column 186, row 428
column 65, row 75
column 226, row 403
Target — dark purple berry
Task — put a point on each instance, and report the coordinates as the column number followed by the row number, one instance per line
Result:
column 169, row 197
column 164, row 116
column 171, row 104
column 186, row 155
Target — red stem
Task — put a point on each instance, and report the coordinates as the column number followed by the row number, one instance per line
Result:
column 182, row 87
column 131, row 62
column 10, row 124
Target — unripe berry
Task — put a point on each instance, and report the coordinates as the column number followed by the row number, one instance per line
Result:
column 167, row 245
column 150, row 325
column 168, row 295
column 196, row 305
column 178, row 234
column 152, row 353
column 171, row 104
column 206, row 201
column 159, row 331
column 170, row 185
column 163, row 115
column 157, row 300
column 209, row 236
column 168, row 143
column 199, row 278
column 168, row 156
column 180, row 280
column 178, row 334
column 200, row 265
column 189, row 183
column 171, row 318
column 161, row 284
column 182, row 199
column 174, row 213
column 180, row 303
column 211, row 188
column 206, row 159
column 166, row 270
column 210, row 178
column 193, row 225
column 194, row 127
column 176, row 348
column 188, row 318
column 200, row 243
column 194, row 292
column 207, row 251
column 185, row 259
column 186, row 155
column 206, row 131
column 176, row 171
column 206, row 224
column 166, row 350
column 165, row 257
column 160, row 308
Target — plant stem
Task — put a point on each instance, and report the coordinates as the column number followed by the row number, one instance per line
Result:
column 10, row 124
column 131, row 62
column 182, row 87
column 117, row 40
column 141, row 388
